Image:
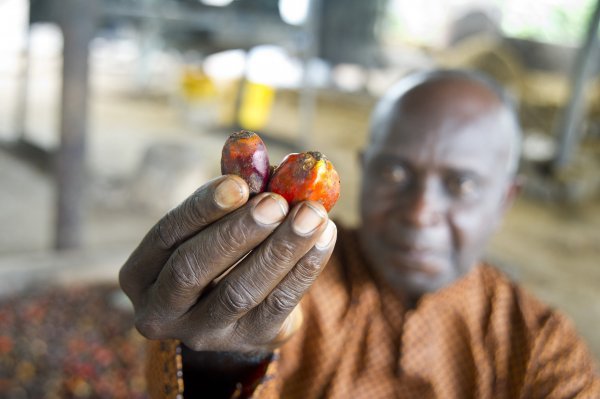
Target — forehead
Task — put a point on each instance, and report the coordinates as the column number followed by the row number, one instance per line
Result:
column 457, row 122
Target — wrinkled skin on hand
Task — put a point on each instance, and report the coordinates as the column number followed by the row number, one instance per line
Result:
column 176, row 277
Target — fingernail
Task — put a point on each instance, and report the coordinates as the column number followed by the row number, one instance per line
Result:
column 270, row 210
column 228, row 193
column 326, row 237
column 308, row 219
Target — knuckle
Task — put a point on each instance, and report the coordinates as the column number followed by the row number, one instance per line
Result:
column 236, row 298
column 124, row 280
column 281, row 301
column 150, row 328
column 229, row 238
column 182, row 221
column 185, row 269
column 245, row 334
column 223, row 242
column 196, row 343
column 166, row 231
column 195, row 209
column 308, row 270
column 279, row 253
column 129, row 285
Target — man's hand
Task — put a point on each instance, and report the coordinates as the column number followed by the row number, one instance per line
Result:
column 176, row 276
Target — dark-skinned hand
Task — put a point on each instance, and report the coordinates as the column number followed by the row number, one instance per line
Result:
column 176, row 278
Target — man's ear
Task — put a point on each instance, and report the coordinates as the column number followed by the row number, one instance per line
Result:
column 513, row 191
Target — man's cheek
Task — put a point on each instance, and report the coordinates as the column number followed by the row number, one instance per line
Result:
column 471, row 232
column 374, row 210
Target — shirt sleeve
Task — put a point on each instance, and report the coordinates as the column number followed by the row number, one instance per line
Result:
column 560, row 365
column 166, row 380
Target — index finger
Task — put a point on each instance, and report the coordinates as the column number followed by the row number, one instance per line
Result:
column 209, row 203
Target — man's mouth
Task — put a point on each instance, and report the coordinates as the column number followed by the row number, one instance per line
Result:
column 419, row 259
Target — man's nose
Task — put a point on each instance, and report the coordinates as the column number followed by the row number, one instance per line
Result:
column 426, row 205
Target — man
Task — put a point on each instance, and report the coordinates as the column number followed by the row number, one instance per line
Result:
column 405, row 307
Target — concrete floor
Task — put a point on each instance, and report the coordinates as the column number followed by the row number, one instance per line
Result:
column 552, row 251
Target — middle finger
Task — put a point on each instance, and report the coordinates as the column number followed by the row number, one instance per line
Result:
column 197, row 262
column 252, row 281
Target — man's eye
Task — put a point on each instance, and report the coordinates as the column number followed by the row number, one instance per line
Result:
column 396, row 174
column 462, row 186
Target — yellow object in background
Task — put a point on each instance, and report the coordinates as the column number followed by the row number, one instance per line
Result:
column 257, row 102
column 195, row 85
column 227, row 94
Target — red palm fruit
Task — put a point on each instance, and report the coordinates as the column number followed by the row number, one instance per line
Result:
column 245, row 155
column 308, row 176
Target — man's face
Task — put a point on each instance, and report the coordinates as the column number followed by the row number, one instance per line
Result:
column 435, row 184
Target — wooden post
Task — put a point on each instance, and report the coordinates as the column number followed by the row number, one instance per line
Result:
column 78, row 23
column 23, row 89
column 570, row 123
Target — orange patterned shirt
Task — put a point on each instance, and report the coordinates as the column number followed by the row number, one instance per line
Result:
column 481, row 337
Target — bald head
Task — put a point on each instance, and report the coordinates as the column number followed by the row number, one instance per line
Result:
column 450, row 97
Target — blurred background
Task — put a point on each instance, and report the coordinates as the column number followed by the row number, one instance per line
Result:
column 113, row 111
